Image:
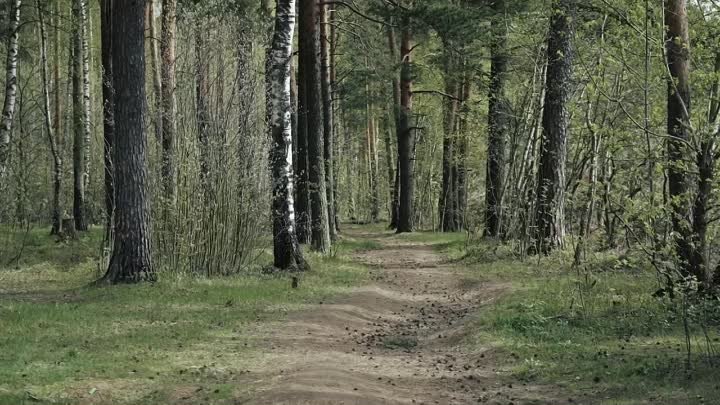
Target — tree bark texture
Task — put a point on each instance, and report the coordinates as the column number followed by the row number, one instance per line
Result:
column 131, row 258
column 311, row 50
column 286, row 249
column 406, row 135
column 498, row 117
column 11, row 85
column 549, row 216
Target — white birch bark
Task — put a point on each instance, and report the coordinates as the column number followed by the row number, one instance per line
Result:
column 8, row 112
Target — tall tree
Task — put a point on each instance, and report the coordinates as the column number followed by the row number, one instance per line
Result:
column 498, row 117
column 677, row 43
column 51, row 135
column 156, row 71
column 131, row 258
column 80, row 84
column 286, row 249
column 108, row 108
column 328, row 114
column 311, row 50
column 550, row 207
column 11, row 85
column 169, row 100
column 406, row 134
column 395, row 203
column 447, row 202
column 302, row 166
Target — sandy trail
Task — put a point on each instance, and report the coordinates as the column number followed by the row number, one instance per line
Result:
column 395, row 341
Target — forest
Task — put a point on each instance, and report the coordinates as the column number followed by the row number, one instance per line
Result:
column 372, row 202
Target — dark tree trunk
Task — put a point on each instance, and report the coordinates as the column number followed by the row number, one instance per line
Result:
column 549, row 216
column 406, row 136
column 447, row 201
column 310, row 49
column 498, row 116
column 286, row 249
column 108, row 109
column 304, row 234
column 460, row 166
column 78, row 119
column 328, row 122
column 395, row 204
column 689, row 226
column 169, row 101
column 131, row 259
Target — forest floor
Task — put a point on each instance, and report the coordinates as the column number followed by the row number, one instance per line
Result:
column 422, row 318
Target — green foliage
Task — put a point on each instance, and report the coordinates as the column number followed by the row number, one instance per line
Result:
column 596, row 331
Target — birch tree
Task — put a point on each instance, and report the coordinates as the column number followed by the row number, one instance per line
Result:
column 286, row 249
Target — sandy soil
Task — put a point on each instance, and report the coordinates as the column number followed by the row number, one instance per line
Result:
column 394, row 341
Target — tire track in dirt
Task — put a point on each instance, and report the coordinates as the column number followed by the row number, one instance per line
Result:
column 395, row 341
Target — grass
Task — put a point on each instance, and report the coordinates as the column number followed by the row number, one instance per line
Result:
column 64, row 342
column 597, row 334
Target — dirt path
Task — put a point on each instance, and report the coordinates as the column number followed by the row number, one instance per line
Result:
column 395, row 341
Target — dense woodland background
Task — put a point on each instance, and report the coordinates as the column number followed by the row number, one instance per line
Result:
column 580, row 126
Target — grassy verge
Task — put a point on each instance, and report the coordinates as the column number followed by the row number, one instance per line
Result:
column 597, row 334
column 63, row 342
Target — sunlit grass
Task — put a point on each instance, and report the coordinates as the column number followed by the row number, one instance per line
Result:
column 62, row 340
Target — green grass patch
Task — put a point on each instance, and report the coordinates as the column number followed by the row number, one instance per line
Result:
column 143, row 344
column 598, row 334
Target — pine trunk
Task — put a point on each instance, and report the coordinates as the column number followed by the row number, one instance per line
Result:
column 202, row 91
column 498, row 116
column 447, row 201
column 406, row 135
column 549, row 216
column 131, row 260
column 310, row 48
column 395, row 204
column 304, row 217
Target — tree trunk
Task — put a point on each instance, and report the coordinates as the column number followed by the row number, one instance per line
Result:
column 131, row 260
column 85, row 29
column 328, row 114
column 498, row 116
column 685, row 223
column 108, row 110
column 447, row 202
column 79, row 118
column 395, row 204
column 52, row 140
column 11, row 85
column 310, row 48
column 169, row 101
column 304, row 217
column 156, row 71
column 549, row 216
column 286, row 250
column 460, row 165
column 406, row 135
